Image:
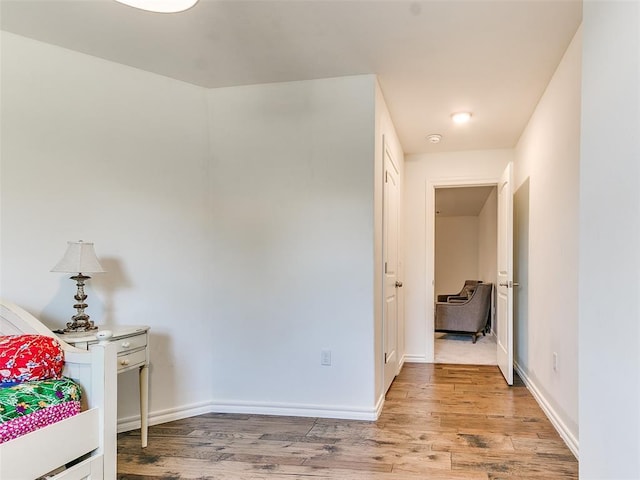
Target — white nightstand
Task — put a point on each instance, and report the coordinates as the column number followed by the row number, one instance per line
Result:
column 133, row 352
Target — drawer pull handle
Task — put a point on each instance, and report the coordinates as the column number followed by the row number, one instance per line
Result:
column 124, row 361
column 126, row 344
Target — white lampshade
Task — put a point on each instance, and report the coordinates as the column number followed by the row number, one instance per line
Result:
column 160, row 6
column 80, row 257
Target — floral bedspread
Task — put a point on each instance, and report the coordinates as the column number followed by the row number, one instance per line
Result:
column 25, row 358
column 28, row 406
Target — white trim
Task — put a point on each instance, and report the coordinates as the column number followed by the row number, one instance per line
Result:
column 254, row 408
column 409, row 358
column 298, row 410
column 430, row 254
column 562, row 429
column 454, row 182
column 379, row 405
column 164, row 416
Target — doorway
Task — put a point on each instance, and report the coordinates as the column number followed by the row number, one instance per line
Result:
column 465, row 248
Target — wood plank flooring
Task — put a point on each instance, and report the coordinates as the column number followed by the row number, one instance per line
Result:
column 440, row 422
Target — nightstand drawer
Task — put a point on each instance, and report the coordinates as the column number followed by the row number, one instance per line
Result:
column 129, row 344
column 130, row 360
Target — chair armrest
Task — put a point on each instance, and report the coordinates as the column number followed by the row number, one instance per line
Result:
column 456, row 299
column 442, row 298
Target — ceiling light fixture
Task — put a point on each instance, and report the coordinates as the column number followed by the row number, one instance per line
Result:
column 160, row 6
column 461, row 117
column 434, row 138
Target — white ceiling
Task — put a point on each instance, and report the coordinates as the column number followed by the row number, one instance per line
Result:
column 432, row 57
column 461, row 201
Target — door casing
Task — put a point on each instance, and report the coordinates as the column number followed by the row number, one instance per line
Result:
column 430, row 227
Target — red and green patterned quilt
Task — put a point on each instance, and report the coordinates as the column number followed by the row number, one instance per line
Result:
column 28, row 406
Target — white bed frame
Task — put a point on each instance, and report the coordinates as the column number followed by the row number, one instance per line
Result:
column 91, row 434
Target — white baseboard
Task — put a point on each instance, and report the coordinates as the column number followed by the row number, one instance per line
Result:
column 416, row 359
column 254, row 408
column 297, row 410
column 562, row 429
column 164, row 416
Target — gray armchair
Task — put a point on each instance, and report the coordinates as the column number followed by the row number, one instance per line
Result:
column 467, row 289
column 468, row 316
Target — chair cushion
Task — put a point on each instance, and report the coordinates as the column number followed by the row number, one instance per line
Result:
column 25, row 358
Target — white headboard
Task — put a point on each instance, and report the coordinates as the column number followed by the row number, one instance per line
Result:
column 14, row 320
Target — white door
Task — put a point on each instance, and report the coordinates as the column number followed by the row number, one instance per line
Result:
column 504, row 302
column 391, row 282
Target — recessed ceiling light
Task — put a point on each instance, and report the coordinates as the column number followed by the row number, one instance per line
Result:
column 434, row 138
column 461, row 117
column 160, row 6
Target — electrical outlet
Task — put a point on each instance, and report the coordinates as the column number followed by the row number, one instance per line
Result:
column 555, row 361
column 325, row 358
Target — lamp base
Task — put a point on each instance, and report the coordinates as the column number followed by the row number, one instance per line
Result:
column 77, row 327
column 77, row 335
column 80, row 322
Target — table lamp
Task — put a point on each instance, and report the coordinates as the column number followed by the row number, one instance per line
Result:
column 80, row 258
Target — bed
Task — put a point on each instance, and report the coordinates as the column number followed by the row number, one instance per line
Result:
column 78, row 447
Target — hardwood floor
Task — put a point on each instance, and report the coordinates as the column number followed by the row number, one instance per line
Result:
column 440, row 422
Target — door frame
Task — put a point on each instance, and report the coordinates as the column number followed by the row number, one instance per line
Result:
column 430, row 240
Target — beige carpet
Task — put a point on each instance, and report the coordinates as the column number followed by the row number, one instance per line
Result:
column 451, row 348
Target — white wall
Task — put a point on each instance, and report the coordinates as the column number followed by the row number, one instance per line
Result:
column 609, row 239
column 238, row 223
column 456, row 252
column 292, row 215
column 521, row 272
column 102, row 152
column 548, row 153
column 422, row 173
column 488, row 247
column 488, row 239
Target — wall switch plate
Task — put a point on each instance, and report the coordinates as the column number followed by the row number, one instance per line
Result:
column 325, row 358
column 555, row 361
